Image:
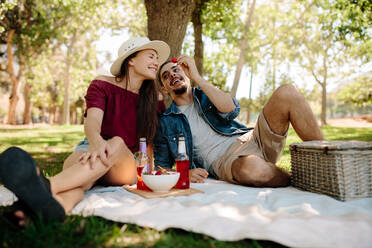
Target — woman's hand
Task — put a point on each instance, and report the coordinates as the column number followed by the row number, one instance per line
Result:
column 198, row 175
column 99, row 149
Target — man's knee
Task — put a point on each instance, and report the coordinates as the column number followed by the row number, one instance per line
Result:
column 251, row 170
column 287, row 92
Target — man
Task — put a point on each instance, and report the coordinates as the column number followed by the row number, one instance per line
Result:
column 217, row 144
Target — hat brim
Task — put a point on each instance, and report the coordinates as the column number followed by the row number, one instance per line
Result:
column 160, row 47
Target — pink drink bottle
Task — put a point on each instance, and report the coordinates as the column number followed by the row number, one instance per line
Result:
column 182, row 165
column 142, row 163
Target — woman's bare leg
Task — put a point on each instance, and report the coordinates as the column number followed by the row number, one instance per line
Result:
column 69, row 185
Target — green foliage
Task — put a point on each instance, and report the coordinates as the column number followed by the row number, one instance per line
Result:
column 358, row 92
column 355, row 19
column 5, row 6
column 217, row 66
column 221, row 20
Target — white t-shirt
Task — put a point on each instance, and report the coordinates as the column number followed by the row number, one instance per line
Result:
column 208, row 144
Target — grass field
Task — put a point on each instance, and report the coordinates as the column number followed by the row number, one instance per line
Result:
column 51, row 145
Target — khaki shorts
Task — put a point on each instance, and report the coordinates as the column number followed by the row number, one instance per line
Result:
column 262, row 141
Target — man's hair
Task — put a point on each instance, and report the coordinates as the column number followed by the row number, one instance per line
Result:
column 159, row 76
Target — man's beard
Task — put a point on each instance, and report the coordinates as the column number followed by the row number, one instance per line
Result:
column 180, row 91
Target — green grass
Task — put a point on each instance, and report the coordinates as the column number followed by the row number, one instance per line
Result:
column 51, row 145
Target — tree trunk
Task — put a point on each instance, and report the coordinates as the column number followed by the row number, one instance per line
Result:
column 274, row 68
column 198, row 39
column 242, row 47
column 73, row 115
column 51, row 113
column 323, row 115
column 28, row 104
column 248, row 116
column 167, row 21
column 43, row 114
column 57, row 115
column 13, row 98
column 66, row 100
column 274, row 49
column 82, row 117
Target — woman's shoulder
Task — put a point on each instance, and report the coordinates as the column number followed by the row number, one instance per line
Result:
column 106, row 82
column 104, row 78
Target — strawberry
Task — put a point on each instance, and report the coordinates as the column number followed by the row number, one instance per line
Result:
column 158, row 172
column 174, row 60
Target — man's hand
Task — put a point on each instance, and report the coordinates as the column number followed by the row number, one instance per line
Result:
column 221, row 100
column 198, row 175
column 189, row 67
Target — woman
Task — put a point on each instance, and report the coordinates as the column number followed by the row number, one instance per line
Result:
column 120, row 109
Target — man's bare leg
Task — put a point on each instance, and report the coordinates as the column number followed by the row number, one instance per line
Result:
column 254, row 171
column 287, row 105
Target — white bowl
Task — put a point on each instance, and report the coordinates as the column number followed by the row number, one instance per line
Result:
column 161, row 183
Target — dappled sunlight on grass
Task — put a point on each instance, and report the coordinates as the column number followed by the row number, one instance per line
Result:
column 145, row 236
column 48, row 145
column 50, row 139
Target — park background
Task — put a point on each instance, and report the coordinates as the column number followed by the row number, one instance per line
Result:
column 50, row 50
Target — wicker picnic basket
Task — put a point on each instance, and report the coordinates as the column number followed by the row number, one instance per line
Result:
column 341, row 169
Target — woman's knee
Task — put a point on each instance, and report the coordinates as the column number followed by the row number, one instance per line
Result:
column 72, row 159
column 117, row 142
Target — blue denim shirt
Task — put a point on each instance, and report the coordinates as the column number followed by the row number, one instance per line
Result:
column 173, row 124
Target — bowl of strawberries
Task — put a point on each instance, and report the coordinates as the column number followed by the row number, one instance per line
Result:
column 161, row 180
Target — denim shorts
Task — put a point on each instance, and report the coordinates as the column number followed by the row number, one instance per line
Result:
column 82, row 145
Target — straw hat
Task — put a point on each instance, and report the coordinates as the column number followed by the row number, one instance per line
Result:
column 137, row 44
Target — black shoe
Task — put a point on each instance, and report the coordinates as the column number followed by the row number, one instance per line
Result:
column 18, row 173
column 11, row 220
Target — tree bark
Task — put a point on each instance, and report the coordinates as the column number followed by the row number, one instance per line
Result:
column 242, row 47
column 15, row 80
column 43, row 114
column 248, row 118
column 73, row 115
column 66, row 100
column 198, row 39
column 167, row 21
column 323, row 115
column 324, row 87
column 28, row 104
column 51, row 113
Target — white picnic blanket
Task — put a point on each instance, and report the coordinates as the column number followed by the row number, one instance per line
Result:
column 230, row 212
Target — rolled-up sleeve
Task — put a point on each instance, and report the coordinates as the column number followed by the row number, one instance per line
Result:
column 233, row 114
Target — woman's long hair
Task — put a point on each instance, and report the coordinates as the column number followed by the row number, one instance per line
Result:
column 147, row 117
